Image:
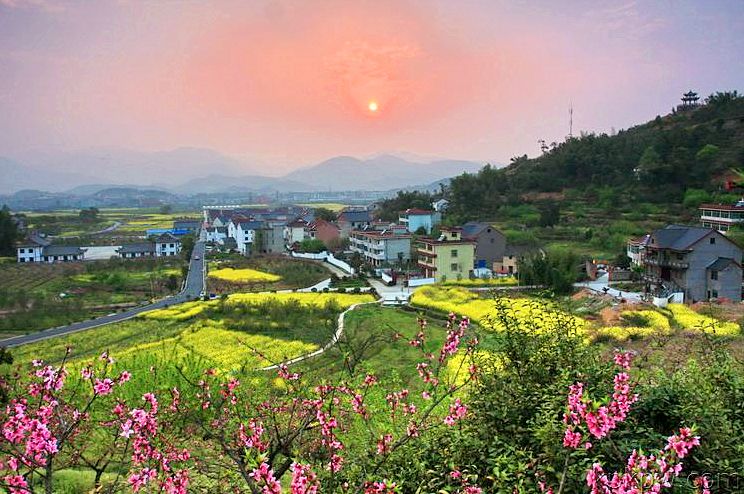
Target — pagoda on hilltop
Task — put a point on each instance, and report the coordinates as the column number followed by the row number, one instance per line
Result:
column 690, row 100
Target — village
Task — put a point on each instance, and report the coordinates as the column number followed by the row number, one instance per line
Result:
column 672, row 264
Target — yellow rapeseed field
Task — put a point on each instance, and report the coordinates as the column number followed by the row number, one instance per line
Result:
column 477, row 282
column 691, row 320
column 465, row 303
column 244, row 275
column 319, row 299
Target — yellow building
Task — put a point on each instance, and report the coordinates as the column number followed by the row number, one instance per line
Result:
column 448, row 257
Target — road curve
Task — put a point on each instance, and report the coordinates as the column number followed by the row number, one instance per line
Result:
column 193, row 287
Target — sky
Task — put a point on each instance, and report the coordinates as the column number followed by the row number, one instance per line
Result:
column 284, row 83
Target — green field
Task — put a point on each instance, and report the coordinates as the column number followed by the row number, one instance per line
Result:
column 41, row 296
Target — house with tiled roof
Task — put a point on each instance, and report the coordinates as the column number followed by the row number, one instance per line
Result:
column 415, row 219
column 38, row 249
column 136, row 250
column 490, row 243
column 294, row 231
column 167, row 245
column 699, row 263
column 323, row 230
column 353, row 219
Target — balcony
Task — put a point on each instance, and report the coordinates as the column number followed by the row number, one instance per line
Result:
column 426, row 253
column 665, row 262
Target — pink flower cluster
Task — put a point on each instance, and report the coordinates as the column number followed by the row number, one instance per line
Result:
column 304, row 480
column 151, row 453
column 645, row 473
column 264, row 476
column 457, row 411
column 599, row 420
column 455, row 333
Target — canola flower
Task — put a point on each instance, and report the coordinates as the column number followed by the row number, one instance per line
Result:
column 464, row 302
column 243, row 275
column 654, row 319
column 189, row 310
column 691, row 320
column 480, row 282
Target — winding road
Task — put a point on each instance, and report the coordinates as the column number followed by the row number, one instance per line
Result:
column 193, row 287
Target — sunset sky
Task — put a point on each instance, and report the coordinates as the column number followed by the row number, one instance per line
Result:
column 288, row 83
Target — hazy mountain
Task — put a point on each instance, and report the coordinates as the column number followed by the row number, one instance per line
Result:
column 193, row 170
column 235, row 184
column 378, row 173
column 115, row 166
column 15, row 176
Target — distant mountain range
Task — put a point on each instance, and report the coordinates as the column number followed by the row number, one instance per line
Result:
column 193, row 171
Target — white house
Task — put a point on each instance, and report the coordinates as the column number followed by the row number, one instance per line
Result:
column 381, row 248
column 32, row 249
column 135, row 251
column 245, row 236
column 37, row 249
column 216, row 234
column 440, row 205
column 167, row 245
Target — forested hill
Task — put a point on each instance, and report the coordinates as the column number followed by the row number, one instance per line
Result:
column 656, row 162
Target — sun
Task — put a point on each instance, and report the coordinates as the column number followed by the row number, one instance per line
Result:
column 372, row 106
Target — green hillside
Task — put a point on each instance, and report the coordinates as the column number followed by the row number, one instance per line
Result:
column 655, row 162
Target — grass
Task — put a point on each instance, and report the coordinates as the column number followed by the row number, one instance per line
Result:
column 241, row 333
column 40, row 296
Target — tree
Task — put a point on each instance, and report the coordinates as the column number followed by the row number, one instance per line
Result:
column 166, row 209
column 89, row 215
column 187, row 246
column 556, row 269
column 312, row 246
column 550, row 213
column 325, row 214
column 9, row 233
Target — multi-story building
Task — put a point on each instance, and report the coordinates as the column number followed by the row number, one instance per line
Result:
column 294, row 231
column 381, row 248
column 448, row 257
column 415, row 218
column 635, row 249
column 323, row 230
column 490, row 243
column 700, row 263
column 353, row 218
column 167, row 245
column 721, row 216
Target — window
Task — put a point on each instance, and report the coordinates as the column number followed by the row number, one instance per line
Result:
column 23, row 251
column 491, row 240
column 453, row 252
column 715, row 293
column 713, row 274
column 712, row 240
column 455, row 267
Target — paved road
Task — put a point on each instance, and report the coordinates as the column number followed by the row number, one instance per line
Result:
column 192, row 289
column 602, row 282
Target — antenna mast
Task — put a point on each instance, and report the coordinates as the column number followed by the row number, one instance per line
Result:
column 570, row 120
